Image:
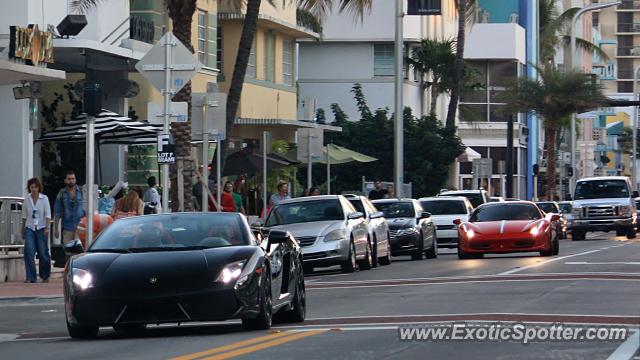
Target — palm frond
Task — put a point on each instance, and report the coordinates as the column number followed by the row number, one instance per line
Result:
column 322, row 8
column 82, row 6
column 471, row 14
column 585, row 45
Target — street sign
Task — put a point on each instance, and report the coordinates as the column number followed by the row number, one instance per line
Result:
column 216, row 111
column 182, row 62
column 316, row 136
column 424, row 7
column 483, row 167
column 179, row 112
column 166, row 149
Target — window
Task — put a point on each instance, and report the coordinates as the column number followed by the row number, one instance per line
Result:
column 219, row 48
column 383, row 60
column 287, row 61
column 485, row 104
column 251, row 65
column 202, row 37
column 269, row 57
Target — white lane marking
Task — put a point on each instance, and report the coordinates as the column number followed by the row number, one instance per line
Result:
column 465, row 282
column 602, row 263
column 468, row 314
column 8, row 337
column 628, row 348
column 49, row 311
column 546, row 262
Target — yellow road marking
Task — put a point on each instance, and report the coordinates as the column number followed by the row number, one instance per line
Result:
column 265, row 345
column 233, row 346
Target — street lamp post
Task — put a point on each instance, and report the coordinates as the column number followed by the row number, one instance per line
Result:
column 634, row 124
column 398, row 174
column 573, row 66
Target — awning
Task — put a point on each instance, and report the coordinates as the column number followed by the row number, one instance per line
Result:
column 15, row 73
column 469, row 155
column 342, row 155
column 246, row 162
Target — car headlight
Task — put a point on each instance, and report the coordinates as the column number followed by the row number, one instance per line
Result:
column 470, row 233
column 536, row 230
column 407, row 231
column 624, row 210
column 231, row 272
column 576, row 211
column 335, row 235
column 82, row 279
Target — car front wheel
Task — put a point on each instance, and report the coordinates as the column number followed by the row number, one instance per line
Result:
column 82, row 331
column 349, row 265
column 264, row 318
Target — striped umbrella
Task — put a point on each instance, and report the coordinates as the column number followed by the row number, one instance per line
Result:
column 109, row 126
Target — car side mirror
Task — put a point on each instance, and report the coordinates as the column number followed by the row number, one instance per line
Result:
column 74, row 247
column 457, row 222
column 555, row 217
column 376, row 215
column 258, row 223
column 635, row 194
column 425, row 215
column 278, row 237
column 356, row 215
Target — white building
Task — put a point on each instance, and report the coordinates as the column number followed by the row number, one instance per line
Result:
column 353, row 51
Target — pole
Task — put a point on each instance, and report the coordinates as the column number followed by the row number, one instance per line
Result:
column 218, row 171
column 205, row 157
column 574, row 66
column 309, row 159
column 328, row 170
column 90, row 179
column 509, row 179
column 167, row 93
column 634, row 124
column 535, row 187
column 264, row 173
column 398, row 118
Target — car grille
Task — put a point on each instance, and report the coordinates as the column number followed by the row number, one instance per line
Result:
column 599, row 211
column 445, row 227
column 306, row 240
column 393, row 234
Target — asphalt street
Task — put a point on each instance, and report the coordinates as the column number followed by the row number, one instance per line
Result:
column 356, row 316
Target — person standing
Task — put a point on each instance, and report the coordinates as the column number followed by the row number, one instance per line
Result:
column 281, row 195
column 68, row 208
column 227, row 200
column 313, row 191
column 391, row 192
column 36, row 220
column 151, row 197
column 378, row 192
column 129, row 205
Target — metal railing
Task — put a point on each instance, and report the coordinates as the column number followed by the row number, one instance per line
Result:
column 628, row 51
column 625, row 74
column 629, row 5
column 629, row 28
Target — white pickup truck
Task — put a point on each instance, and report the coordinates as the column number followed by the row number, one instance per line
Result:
column 604, row 204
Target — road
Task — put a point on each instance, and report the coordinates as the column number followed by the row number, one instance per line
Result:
column 356, row 316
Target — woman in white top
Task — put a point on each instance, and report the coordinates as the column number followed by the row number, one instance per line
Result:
column 36, row 220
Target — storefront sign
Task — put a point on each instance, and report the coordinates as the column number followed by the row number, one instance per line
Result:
column 31, row 44
column 424, row 7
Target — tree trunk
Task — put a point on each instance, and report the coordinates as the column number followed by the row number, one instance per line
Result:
column 181, row 13
column 435, row 92
column 457, row 68
column 249, row 27
column 550, row 141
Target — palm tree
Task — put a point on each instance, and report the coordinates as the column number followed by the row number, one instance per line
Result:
column 554, row 97
column 435, row 58
column 554, row 32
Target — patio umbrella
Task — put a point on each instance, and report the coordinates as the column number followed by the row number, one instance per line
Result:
column 247, row 162
column 341, row 155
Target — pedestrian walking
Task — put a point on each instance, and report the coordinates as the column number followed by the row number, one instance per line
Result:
column 68, row 208
column 36, row 220
column 129, row 205
column 151, row 197
column 378, row 192
column 226, row 198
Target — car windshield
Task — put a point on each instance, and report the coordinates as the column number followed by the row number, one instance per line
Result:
column 505, row 212
column 305, row 211
column 396, row 209
column 476, row 199
column 173, row 232
column 358, row 205
column 444, row 207
column 547, row 207
column 565, row 208
column 599, row 189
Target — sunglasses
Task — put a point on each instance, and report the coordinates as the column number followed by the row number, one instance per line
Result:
column 33, row 215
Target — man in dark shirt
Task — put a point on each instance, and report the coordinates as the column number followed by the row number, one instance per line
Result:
column 378, row 192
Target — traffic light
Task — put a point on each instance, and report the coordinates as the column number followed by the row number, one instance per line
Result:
column 536, row 168
column 570, row 171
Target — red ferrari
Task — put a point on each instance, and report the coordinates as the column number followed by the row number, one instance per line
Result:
column 506, row 228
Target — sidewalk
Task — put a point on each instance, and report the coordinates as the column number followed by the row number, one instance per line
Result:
column 20, row 290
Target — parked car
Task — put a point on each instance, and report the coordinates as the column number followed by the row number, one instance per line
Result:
column 506, row 228
column 411, row 230
column 565, row 210
column 476, row 197
column 443, row 211
column 328, row 228
column 496, row 199
column 182, row 267
column 378, row 229
column 552, row 207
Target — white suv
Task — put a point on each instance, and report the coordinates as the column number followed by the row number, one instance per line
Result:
column 476, row 197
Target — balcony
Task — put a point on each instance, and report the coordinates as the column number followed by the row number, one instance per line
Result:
column 628, row 28
column 629, row 5
column 625, row 74
column 628, row 51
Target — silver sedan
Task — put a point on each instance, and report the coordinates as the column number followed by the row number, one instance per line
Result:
column 328, row 228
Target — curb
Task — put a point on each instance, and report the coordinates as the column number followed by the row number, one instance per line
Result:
column 28, row 298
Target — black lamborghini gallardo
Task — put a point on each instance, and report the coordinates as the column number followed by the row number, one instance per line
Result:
column 176, row 268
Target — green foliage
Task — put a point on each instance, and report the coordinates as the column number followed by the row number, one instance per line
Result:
column 429, row 148
column 58, row 158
